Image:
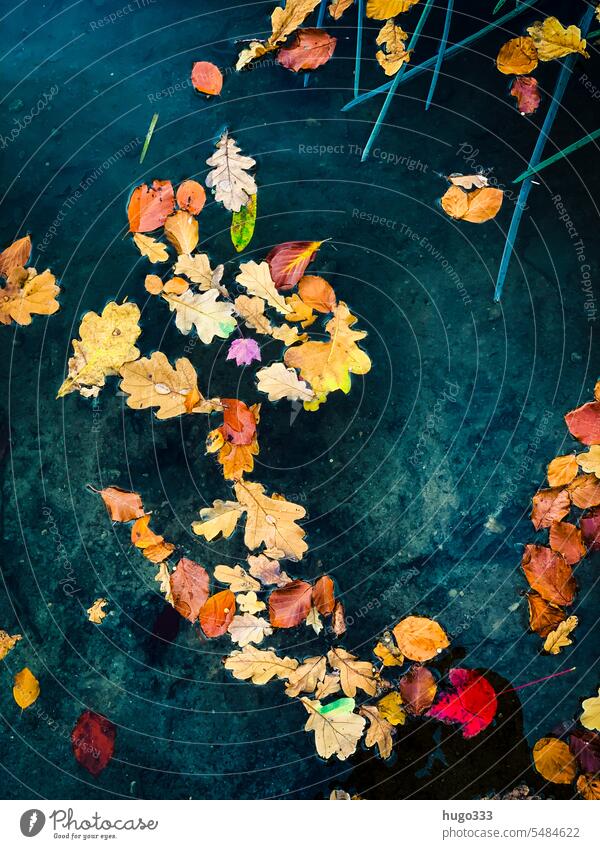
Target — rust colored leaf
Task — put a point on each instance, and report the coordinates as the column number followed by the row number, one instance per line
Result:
column 191, row 197
column 317, row 293
column 585, row 491
column 590, row 529
column 239, row 421
column 15, row 256
column 549, row 574
column 323, row 595
column 549, row 505
column 150, row 206
column 338, row 620
column 189, row 588
column 93, row 741
column 141, row 534
column 310, row 49
column 584, row 423
column 418, row 689
column 543, row 616
column 566, row 539
column 517, row 56
column 290, row 605
column 122, row 506
column 216, row 613
column 207, row 78
column 526, row 91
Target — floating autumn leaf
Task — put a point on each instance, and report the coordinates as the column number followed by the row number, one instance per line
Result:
column 204, row 311
column 221, row 518
column 310, row 49
column 566, row 539
column 248, row 629
column 7, row 643
column 236, row 578
column 328, row 686
column 323, row 595
column 26, row 688
column 163, row 578
column 244, row 352
column 96, row 612
column 418, row 689
column 387, row 651
column 476, row 207
column 338, row 619
column 354, row 674
column 106, row 343
column 589, row 461
column 284, row 21
column 207, row 78
column 382, row 9
column 122, row 506
column 181, row 229
column 259, row 666
column 229, row 180
column 256, row 278
column 28, row 293
column 468, row 181
column 549, row 505
column 290, row 605
column 526, row 91
column 93, row 741
column 313, row 620
column 471, row 703
column 243, row 224
column 562, row 470
column 585, row 746
column 518, row 56
column 267, row 571
column 585, row 491
column 217, row 612
column 191, row 197
column 419, row 638
column 305, row 678
column 150, row 206
column 337, row 729
column 560, row 638
column 190, row 588
column 379, row 731
column 279, row 382
column 327, row 366
column 15, row 256
column 544, row 617
column 153, row 382
column 394, row 53
column 338, row 7
column 549, row 574
column 317, row 293
column 153, row 284
column 155, row 251
column 392, row 709
column 175, row 286
column 288, row 262
column 239, row 421
column 590, row 529
column 553, row 41
column 300, row 311
column 197, row 268
column 249, row 603
column 588, row 786
column 553, row 760
column 584, row 423
column 152, row 545
column 590, row 718
column 271, row 520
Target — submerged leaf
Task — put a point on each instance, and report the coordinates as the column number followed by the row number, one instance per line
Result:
column 527, row 93
column 93, row 741
column 189, row 584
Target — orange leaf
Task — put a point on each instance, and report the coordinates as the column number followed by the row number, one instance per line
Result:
column 317, row 293
column 239, row 421
column 290, row 605
column 549, row 574
column 149, row 207
column 562, row 470
column 476, row 207
column 585, row 491
column 237, row 459
column 159, row 552
column 517, row 56
column 122, row 506
column 141, row 535
column 191, row 197
column 153, row 284
column 549, row 505
column 217, row 612
column 15, row 256
column 419, row 638
column 566, row 539
column 288, row 261
column 176, row 286
column 323, row 595
column 543, row 616
column 189, row 588
column 584, row 423
column 207, row 78
column 310, row 49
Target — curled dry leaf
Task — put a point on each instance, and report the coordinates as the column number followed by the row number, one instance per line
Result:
column 7, row 643
column 468, row 181
column 271, row 520
column 26, row 688
column 181, row 229
column 150, row 206
column 394, row 53
column 122, row 506
column 526, row 91
column 93, row 741
column 191, row 197
column 248, row 629
column 288, row 262
column 228, row 178
column 553, row 760
column 562, row 470
column 518, row 56
column 544, row 617
column 419, row 638
column 28, row 293
column 15, row 256
column 553, row 41
column 237, row 579
column 163, row 578
column 290, row 605
column 152, row 545
column 190, row 588
column 96, row 613
column 471, row 703
column 379, row 731
column 310, row 49
column 584, row 423
column 418, row 689
column 207, row 78
column 153, row 382
column 560, row 638
column 221, row 518
column 155, row 251
column 259, row 666
column 217, row 612
column 313, row 620
column 382, row 9
column 337, row 729
column 566, row 539
column 284, row 21
column 476, row 207
column 549, row 505
column 338, row 619
column 354, row 674
column 549, row 574
column 305, row 678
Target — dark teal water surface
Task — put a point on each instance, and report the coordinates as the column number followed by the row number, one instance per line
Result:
column 417, row 484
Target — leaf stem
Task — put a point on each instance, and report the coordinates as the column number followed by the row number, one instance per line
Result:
column 359, row 34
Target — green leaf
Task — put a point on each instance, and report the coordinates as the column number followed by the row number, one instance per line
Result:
column 242, row 225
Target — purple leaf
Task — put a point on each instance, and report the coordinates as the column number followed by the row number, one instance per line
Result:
column 244, row 351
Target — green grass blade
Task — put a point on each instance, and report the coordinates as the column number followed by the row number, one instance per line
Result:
column 556, row 156
column 149, row 136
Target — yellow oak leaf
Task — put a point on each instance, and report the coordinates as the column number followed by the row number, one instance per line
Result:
column 155, row 251
column 300, row 311
column 590, row 460
column 305, row 678
column 354, row 674
column 28, row 293
column 95, row 613
column 259, row 666
column 553, row 41
column 382, row 9
column 387, row 652
column 221, row 518
column 553, row 760
column 590, row 718
column 237, row 459
column 163, row 577
column 559, row 639
column 106, row 343
column 328, row 686
column 256, row 279
column 337, row 728
column 271, row 520
column 379, row 732
column 394, row 53
column 181, row 229
column 238, row 580
column 284, row 21
column 7, row 643
column 278, row 382
column 196, row 267
column 26, row 688
column 390, row 707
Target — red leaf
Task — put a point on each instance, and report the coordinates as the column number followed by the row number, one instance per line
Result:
column 323, row 595
column 190, row 588
column 207, row 78
column 216, row 613
column 473, row 703
column 149, row 207
column 290, row 605
column 310, row 49
column 93, row 741
column 417, row 689
column 191, row 197
column 549, row 574
column 526, row 90
column 288, row 262
column 239, row 422
column 590, row 528
column 584, row 423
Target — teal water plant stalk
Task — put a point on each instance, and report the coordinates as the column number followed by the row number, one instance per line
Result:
column 559, row 90
column 359, row 33
column 440, row 53
column 320, row 18
column 556, row 156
